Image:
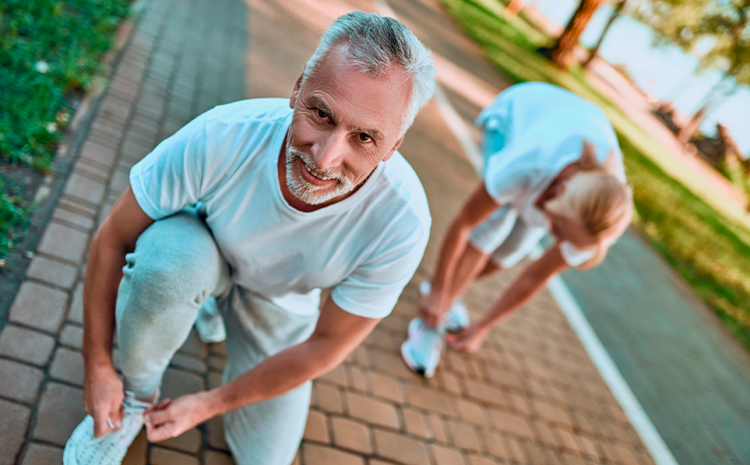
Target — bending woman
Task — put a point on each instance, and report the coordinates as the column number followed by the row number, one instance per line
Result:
column 552, row 166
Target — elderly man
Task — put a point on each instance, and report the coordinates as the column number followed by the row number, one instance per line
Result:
column 285, row 202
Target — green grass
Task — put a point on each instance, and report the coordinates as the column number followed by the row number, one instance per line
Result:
column 705, row 239
column 13, row 217
column 49, row 55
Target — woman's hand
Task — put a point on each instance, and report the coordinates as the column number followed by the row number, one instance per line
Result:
column 431, row 309
column 468, row 340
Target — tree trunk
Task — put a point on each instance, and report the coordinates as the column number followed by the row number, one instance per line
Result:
column 686, row 133
column 563, row 51
column 615, row 14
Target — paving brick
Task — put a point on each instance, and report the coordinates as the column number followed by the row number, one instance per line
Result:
column 216, row 437
column 190, row 441
column 85, row 188
column 479, row 460
column 59, row 412
column 471, row 411
column 386, row 387
column 485, row 393
column 41, row 454
column 177, row 383
column 438, row 427
column 511, row 423
column 19, row 381
column 194, row 346
column 25, row 345
column 445, row 456
column 552, row 413
column 63, row 242
column 429, row 399
column 415, row 423
column 98, row 153
column 218, row 458
column 400, row 449
column 351, row 435
column 496, row 445
column 187, row 362
column 52, row 272
column 138, row 451
column 14, row 421
column 67, row 365
column 161, row 456
column 328, row 398
column 39, row 306
column 372, row 411
column 314, row 454
column 75, row 313
column 72, row 335
column 336, row 376
column 463, row 436
column 357, row 379
column 316, row 428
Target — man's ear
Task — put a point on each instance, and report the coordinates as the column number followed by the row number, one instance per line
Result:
column 295, row 92
column 588, row 160
column 395, row 147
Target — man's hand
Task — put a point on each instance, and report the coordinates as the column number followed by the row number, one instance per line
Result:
column 102, row 398
column 170, row 418
column 468, row 340
column 431, row 309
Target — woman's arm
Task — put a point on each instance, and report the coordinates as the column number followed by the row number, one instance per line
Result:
column 474, row 211
column 522, row 289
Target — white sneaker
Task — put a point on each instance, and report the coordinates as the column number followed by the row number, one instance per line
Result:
column 457, row 318
column 422, row 349
column 210, row 324
column 83, row 448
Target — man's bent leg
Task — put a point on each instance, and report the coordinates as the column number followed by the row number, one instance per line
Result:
column 264, row 432
column 175, row 267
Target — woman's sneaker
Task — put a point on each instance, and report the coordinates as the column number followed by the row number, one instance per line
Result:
column 83, row 448
column 421, row 351
column 457, row 318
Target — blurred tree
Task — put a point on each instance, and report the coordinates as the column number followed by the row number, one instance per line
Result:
column 616, row 12
column 724, row 25
column 562, row 53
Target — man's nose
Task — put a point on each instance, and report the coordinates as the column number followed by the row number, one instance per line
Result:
column 331, row 150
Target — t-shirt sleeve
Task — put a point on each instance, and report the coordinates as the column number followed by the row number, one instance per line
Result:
column 375, row 286
column 171, row 177
column 574, row 256
column 508, row 175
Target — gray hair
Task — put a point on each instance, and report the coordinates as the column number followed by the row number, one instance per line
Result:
column 375, row 42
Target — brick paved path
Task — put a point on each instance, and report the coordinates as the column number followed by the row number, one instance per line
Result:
column 530, row 396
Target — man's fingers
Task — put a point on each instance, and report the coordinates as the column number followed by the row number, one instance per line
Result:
column 100, row 425
column 157, row 417
column 159, row 433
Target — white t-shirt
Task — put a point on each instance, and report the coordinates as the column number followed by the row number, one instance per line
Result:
column 365, row 247
column 543, row 127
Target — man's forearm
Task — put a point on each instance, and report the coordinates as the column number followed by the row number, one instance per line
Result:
column 103, row 275
column 277, row 375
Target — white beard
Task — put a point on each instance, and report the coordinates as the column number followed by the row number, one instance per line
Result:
column 307, row 192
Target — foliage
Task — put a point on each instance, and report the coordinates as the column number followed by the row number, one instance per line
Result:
column 49, row 51
column 707, row 248
column 13, row 217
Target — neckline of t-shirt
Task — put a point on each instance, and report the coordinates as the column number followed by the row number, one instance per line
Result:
column 272, row 172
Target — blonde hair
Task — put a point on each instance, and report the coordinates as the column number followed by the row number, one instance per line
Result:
column 599, row 200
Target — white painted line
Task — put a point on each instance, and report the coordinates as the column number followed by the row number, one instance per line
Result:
column 560, row 292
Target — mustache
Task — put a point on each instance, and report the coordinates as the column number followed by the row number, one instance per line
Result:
column 326, row 173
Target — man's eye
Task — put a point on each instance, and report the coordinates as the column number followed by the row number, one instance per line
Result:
column 364, row 137
column 322, row 114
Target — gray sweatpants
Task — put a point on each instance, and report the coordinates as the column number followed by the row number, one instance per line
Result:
column 175, row 267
